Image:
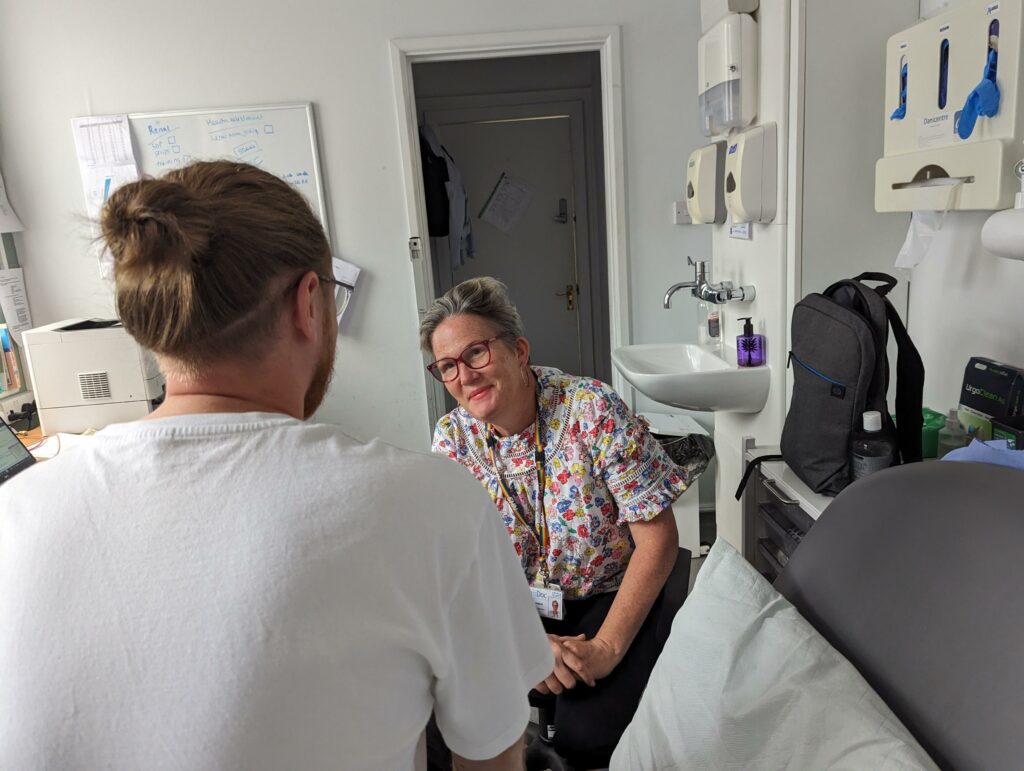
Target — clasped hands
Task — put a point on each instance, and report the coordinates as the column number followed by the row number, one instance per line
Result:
column 578, row 659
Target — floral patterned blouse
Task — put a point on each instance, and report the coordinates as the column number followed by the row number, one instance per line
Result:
column 603, row 468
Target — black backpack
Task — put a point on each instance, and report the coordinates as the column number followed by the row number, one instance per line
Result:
column 840, row 370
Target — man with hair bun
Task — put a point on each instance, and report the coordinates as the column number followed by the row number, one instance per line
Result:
column 223, row 585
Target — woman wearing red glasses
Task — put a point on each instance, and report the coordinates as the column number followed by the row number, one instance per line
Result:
column 584, row 491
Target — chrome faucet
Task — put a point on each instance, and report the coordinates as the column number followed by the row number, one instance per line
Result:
column 702, row 289
column 699, row 278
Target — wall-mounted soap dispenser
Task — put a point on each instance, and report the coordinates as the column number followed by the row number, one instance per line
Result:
column 705, row 196
column 751, row 167
column 727, row 74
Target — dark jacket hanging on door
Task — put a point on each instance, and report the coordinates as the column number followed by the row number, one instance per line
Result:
column 435, row 174
column 459, row 229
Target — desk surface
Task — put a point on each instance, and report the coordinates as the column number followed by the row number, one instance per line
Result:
column 31, row 437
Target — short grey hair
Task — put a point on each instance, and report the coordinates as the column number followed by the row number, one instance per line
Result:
column 485, row 297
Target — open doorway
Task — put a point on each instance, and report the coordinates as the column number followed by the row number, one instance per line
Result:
column 543, row 111
column 528, row 129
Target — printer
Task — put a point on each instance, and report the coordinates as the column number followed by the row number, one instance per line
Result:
column 89, row 373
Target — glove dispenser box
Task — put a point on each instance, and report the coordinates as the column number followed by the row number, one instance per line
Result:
column 751, row 171
column 953, row 119
column 727, row 74
column 705, row 197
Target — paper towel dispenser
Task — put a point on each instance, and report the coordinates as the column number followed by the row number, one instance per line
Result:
column 727, row 74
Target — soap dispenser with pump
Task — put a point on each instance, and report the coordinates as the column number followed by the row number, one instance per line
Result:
column 749, row 347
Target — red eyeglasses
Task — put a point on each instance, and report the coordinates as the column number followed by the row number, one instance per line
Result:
column 475, row 356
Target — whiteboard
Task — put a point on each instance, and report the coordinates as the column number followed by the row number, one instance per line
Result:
column 278, row 138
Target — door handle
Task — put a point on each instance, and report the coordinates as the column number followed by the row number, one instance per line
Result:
column 570, row 296
column 563, row 212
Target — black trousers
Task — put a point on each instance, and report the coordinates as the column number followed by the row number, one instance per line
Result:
column 590, row 721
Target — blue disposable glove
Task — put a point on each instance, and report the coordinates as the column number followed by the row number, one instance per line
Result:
column 982, row 101
column 901, row 112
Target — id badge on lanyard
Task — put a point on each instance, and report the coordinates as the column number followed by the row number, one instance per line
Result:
column 549, row 601
column 547, row 597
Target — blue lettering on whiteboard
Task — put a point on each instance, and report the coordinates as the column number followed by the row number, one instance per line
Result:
column 297, row 178
column 245, row 117
column 226, row 134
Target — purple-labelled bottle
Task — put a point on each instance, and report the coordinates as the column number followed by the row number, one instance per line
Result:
column 750, row 350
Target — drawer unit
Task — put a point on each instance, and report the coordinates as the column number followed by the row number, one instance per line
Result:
column 775, row 519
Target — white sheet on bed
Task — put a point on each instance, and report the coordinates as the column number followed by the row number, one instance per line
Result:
column 746, row 683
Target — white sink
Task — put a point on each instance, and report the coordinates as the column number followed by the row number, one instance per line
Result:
column 694, row 377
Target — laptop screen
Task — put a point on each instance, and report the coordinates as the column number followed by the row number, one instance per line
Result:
column 13, row 455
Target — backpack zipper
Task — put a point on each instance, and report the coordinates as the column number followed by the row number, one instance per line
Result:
column 835, row 383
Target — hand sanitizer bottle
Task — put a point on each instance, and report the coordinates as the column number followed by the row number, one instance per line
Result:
column 952, row 437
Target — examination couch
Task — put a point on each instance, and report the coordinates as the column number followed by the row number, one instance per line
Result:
column 891, row 640
column 916, row 575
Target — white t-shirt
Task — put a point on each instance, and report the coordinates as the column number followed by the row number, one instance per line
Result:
column 253, row 592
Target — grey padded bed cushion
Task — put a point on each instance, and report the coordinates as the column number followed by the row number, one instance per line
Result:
column 916, row 574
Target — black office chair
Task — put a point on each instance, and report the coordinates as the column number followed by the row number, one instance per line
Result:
column 540, row 752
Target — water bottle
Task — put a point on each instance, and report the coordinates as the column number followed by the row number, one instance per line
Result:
column 871, row 450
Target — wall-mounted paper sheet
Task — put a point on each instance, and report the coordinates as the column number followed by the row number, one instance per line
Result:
column 348, row 274
column 106, row 161
column 14, row 302
column 507, row 203
column 9, row 222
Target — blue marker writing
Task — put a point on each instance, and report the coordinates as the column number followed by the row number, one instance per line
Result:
column 106, row 190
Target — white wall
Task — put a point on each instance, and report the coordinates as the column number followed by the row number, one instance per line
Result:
column 59, row 60
column 841, row 234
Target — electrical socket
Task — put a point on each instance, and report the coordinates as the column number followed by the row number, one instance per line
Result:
column 680, row 214
column 15, row 401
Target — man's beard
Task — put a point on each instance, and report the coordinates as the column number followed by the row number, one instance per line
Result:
column 322, row 377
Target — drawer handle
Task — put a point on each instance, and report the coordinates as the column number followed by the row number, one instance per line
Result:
column 773, row 488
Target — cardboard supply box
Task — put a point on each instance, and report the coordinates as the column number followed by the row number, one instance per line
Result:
column 990, row 390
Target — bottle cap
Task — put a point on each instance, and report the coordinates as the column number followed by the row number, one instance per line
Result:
column 872, row 421
column 952, row 420
column 748, row 327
